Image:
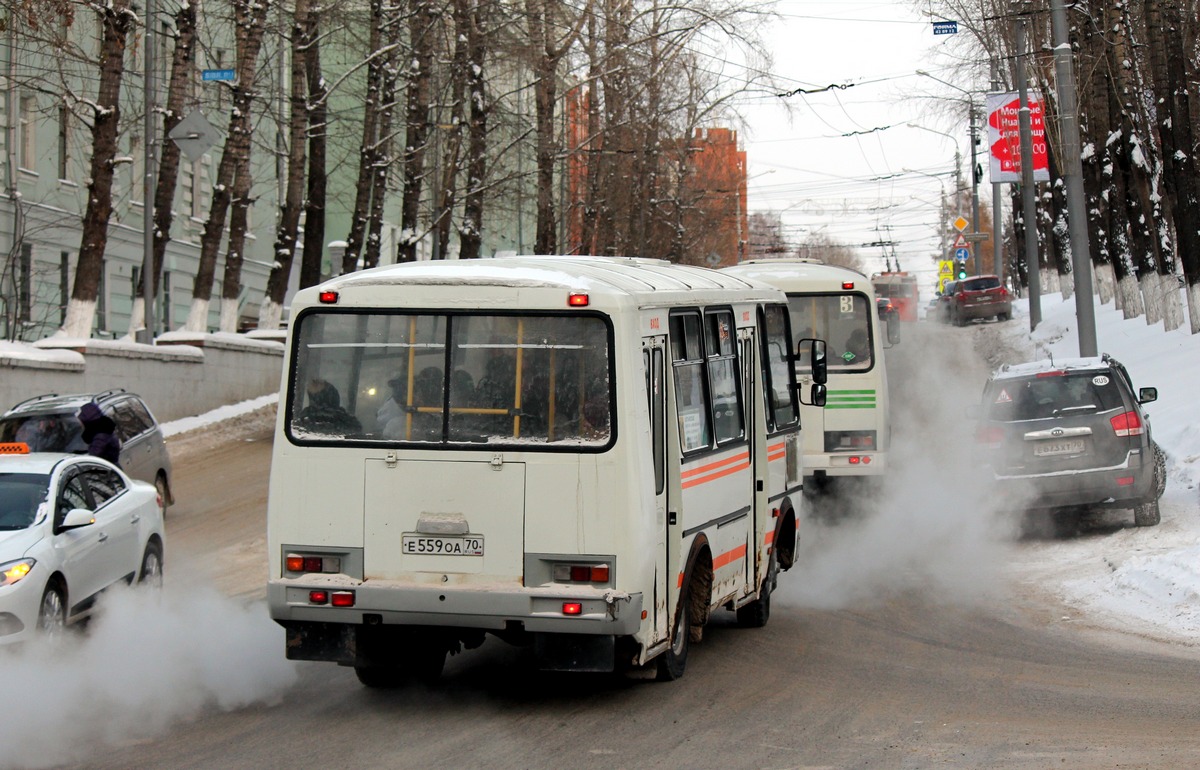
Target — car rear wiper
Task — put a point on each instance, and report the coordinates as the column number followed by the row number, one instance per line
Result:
column 1089, row 407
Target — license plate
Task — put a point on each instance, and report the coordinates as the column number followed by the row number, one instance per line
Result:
column 425, row 545
column 1064, row 447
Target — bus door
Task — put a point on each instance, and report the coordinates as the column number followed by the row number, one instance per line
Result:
column 654, row 356
column 754, row 564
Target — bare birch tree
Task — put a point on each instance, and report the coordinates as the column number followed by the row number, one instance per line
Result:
column 183, row 59
column 116, row 20
column 291, row 206
column 250, row 23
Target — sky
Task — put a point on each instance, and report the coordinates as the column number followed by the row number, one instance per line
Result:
column 846, row 163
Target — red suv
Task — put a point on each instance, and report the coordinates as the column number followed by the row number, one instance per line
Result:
column 983, row 296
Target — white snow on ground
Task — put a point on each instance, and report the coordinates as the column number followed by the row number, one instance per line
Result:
column 220, row 414
column 1142, row 581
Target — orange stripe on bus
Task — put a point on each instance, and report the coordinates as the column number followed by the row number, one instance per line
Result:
column 700, row 469
column 714, row 476
column 777, row 447
column 729, row 556
column 770, row 538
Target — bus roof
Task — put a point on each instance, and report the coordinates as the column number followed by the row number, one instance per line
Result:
column 793, row 274
column 633, row 278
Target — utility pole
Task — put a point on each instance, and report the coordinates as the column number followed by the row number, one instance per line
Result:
column 1029, row 210
column 150, row 184
column 997, row 221
column 974, row 131
column 1085, row 313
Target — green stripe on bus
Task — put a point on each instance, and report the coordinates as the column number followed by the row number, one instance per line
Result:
column 850, row 399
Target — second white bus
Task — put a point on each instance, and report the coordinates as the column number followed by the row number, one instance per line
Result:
column 851, row 435
column 585, row 455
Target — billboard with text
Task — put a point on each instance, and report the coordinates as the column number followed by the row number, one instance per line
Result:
column 1004, row 137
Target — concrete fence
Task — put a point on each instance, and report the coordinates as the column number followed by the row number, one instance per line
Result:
column 182, row 375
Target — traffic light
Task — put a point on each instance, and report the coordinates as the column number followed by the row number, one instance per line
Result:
column 960, row 270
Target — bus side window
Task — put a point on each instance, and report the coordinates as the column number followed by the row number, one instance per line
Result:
column 695, row 431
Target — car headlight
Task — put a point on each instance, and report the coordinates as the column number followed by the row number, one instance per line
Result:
column 13, row 571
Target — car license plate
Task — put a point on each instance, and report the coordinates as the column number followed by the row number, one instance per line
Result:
column 426, row 545
column 1063, row 447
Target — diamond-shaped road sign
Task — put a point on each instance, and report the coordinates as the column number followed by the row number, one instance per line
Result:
column 194, row 135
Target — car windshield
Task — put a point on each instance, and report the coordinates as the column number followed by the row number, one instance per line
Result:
column 44, row 432
column 20, row 496
column 1052, row 395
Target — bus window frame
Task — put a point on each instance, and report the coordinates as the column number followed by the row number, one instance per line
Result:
column 294, row 390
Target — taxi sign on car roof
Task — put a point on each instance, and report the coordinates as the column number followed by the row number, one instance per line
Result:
column 14, row 448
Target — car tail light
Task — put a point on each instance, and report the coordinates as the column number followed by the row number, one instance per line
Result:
column 990, row 435
column 342, row 598
column 581, row 573
column 1127, row 424
column 1125, row 481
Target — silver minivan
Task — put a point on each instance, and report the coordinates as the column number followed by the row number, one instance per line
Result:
column 50, row 423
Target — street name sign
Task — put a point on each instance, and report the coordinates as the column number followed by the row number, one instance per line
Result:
column 219, row 75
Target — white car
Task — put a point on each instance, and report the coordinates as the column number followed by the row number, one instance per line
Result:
column 71, row 526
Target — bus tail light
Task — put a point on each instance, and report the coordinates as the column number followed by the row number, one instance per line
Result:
column 342, row 598
column 577, row 299
column 581, row 573
column 572, row 608
column 318, row 597
column 298, row 562
column 328, row 297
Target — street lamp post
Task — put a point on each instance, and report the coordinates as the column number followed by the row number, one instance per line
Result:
column 974, row 175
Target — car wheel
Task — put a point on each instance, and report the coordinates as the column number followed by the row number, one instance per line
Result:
column 1004, row 316
column 672, row 663
column 1147, row 514
column 152, row 566
column 1160, row 470
column 164, row 491
column 958, row 320
column 758, row 612
column 52, row 613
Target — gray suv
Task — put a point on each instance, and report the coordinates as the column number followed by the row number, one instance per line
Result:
column 1071, row 435
column 53, row 421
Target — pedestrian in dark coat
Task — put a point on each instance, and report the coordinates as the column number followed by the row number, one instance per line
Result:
column 100, row 433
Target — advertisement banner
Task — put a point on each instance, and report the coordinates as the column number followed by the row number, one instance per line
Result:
column 1004, row 137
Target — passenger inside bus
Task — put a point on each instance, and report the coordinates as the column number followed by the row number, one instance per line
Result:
column 324, row 413
column 858, row 347
column 425, row 410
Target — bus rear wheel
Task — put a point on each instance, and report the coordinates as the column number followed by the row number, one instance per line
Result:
column 755, row 614
column 672, row 663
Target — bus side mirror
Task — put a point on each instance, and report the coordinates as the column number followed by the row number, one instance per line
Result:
column 816, row 394
column 820, row 364
column 893, row 328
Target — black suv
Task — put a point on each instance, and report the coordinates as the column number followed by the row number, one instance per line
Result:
column 53, row 421
column 1071, row 435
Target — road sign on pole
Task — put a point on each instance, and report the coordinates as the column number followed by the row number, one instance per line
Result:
column 219, row 75
column 960, row 224
column 962, row 253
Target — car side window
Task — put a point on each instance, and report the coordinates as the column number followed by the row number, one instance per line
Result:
column 105, row 484
column 72, row 494
column 132, row 420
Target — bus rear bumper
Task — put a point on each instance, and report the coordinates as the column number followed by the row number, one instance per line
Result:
column 599, row 612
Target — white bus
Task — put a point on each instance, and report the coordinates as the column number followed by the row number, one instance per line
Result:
column 851, row 435
column 586, row 455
